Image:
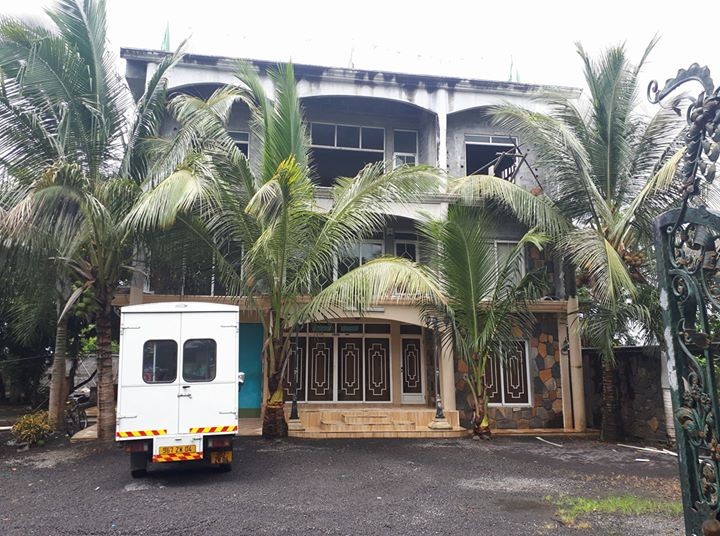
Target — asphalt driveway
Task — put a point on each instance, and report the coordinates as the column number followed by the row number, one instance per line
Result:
column 508, row 486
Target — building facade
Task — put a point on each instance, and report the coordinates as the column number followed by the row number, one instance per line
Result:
column 375, row 375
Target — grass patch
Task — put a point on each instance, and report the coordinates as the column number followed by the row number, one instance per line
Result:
column 571, row 508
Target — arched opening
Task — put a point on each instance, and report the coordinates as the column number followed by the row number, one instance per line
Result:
column 349, row 132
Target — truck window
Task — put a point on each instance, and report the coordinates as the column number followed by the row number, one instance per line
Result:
column 159, row 361
column 199, row 360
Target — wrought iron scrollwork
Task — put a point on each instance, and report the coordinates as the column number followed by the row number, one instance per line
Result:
column 687, row 241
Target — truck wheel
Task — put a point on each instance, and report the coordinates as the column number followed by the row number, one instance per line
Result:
column 138, row 464
column 225, row 467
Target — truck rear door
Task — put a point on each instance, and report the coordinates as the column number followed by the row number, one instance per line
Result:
column 149, row 375
column 208, row 376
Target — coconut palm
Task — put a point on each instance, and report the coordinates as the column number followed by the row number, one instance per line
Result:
column 608, row 171
column 485, row 297
column 71, row 141
column 276, row 243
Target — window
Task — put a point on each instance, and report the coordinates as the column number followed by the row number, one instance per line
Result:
column 242, row 141
column 503, row 249
column 357, row 255
column 407, row 250
column 159, row 361
column 199, row 360
column 507, row 378
column 490, row 155
column 343, row 150
column 405, row 148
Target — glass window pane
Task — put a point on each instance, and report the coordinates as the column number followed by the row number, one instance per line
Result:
column 407, row 250
column 504, row 249
column 502, row 139
column 475, row 138
column 159, row 361
column 199, row 360
column 240, row 136
column 373, row 138
column 348, row 136
column 349, row 260
column 321, row 134
column 405, row 141
column 371, row 251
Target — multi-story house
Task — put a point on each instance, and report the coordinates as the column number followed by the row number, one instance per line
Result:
column 375, row 375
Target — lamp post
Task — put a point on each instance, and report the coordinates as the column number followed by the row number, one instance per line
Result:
column 439, row 422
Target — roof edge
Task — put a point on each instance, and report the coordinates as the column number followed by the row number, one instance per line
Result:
column 309, row 71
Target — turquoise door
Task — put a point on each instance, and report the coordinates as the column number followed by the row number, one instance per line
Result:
column 251, row 341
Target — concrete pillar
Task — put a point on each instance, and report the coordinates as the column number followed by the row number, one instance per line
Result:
column 447, row 379
column 564, row 355
column 576, row 367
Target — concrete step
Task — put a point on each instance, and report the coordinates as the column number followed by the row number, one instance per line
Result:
column 366, row 419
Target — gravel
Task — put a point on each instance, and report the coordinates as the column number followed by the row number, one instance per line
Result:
column 506, row 486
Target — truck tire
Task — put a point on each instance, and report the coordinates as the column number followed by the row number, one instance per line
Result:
column 138, row 464
column 225, row 467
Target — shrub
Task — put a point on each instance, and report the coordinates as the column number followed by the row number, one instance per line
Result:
column 32, row 428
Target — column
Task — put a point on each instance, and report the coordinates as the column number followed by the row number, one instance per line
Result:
column 576, row 367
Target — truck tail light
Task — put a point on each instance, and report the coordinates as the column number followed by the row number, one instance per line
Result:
column 137, row 446
column 219, row 442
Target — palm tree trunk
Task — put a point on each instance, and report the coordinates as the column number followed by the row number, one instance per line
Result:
column 106, row 391
column 611, row 429
column 57, row 382
column 274, row 423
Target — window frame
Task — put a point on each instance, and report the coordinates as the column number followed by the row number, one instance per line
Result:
column 373, row 241
column 214, row 377
column 177, row 355
column 522, row 259
column 335, row 137
column 415, row 243
column 491, row 142
column 238, row 142
column 403, row 154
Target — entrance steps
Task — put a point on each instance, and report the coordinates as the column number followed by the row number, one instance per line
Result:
column 387, row 423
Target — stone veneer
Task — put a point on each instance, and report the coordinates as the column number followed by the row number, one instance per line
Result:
column 545, row 390
column 642, row 411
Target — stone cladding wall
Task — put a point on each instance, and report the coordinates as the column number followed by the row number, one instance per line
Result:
column 641, row 398
column 545, row 391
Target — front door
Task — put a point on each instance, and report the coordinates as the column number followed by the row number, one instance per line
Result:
column 149, row 375
column 251, row 343
column 208, row 374
column 412, row 369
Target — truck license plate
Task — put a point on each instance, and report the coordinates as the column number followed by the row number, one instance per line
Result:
column 223, row 456
column 177, row 449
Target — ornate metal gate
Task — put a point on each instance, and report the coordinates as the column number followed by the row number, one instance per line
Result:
column 687, row 242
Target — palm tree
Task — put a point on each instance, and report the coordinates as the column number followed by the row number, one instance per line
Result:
column 275, row 242
column 485, row 297
column 609, row 171
column 71, row 141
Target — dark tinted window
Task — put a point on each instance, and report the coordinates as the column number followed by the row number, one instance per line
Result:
column 405, row 141
column 348, row 136
column 322, row 134
column 373, row 138
column 199, row 360
column 159, row 361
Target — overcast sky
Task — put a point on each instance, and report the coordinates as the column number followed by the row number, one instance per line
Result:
column 474, row 38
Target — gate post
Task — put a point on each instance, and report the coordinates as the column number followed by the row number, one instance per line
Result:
column 687, row 241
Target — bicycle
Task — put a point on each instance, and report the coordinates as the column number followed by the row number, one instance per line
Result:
column 75, row 416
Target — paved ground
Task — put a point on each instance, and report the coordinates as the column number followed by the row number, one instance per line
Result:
column 502, row 487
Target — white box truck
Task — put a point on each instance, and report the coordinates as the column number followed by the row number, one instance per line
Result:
column 178, row 383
